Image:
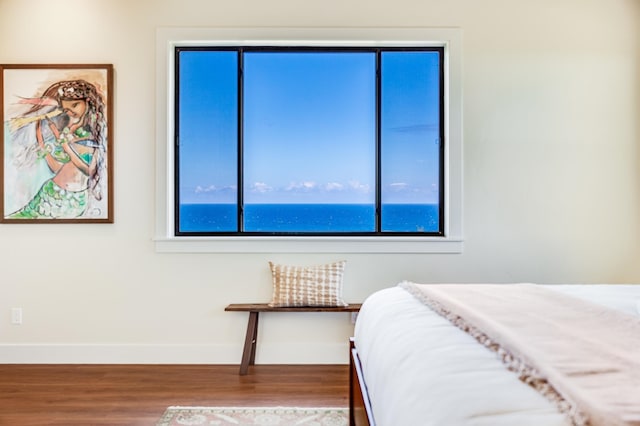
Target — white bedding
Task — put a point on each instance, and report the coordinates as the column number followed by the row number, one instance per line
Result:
column 421, row 370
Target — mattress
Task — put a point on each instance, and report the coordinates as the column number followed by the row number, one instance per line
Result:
column 421, row 370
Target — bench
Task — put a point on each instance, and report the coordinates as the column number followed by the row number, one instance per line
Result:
column 249, row 352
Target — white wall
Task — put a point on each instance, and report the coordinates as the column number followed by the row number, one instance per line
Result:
column 552, row 183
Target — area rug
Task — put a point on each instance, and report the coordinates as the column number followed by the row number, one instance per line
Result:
column 250, row 416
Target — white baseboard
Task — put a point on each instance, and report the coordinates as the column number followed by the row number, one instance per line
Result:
column 170, row 354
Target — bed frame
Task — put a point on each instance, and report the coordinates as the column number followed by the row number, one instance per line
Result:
column 360, row 412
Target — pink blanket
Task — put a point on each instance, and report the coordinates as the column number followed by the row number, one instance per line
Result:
column 584, row 357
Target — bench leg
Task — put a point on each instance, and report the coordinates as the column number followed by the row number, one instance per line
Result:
column 249, row 352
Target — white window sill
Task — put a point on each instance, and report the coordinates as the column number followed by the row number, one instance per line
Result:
column 308, row 245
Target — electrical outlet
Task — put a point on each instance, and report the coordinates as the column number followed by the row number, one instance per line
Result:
column 16, row 316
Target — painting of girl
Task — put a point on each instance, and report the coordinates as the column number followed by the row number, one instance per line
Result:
column 56, row 139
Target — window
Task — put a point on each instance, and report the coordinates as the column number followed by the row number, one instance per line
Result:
column 309, row 141
column 335, row 146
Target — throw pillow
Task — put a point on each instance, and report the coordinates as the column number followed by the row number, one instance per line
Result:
column 296, row 286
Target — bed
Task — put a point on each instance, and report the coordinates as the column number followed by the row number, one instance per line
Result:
column 411, row 366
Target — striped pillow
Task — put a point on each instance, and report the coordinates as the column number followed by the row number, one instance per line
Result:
column 295, row 286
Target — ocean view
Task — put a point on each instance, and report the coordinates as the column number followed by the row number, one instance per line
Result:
column 309, row 218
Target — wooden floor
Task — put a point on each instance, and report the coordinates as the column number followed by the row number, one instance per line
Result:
column 138, row 394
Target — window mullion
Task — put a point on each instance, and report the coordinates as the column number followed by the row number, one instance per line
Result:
column 378, row 208
column 240, row 180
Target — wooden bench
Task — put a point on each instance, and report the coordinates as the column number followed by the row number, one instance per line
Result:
column 249, row 352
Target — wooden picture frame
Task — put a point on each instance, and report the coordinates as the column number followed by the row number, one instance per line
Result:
column 56, row 148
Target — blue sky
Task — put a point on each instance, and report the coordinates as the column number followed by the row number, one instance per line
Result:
column 309, row 127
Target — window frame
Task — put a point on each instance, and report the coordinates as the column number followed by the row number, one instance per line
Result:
column 377, row 52
column 169, row 39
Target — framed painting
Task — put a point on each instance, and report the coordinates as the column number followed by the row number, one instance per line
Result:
column 57, row 143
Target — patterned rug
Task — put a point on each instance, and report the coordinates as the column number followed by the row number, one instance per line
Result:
column 250, row 416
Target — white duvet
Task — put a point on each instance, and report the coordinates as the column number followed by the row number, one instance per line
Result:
column 421, row 370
